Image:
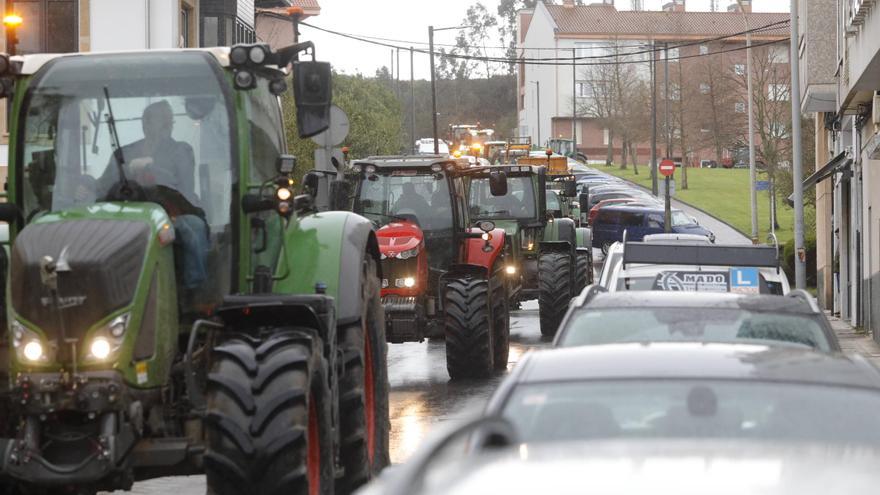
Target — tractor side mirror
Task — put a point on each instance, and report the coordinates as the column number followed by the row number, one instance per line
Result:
column 311, row 181
column 312, row 92
column 584, row 202
column 569, row 188
column 340, row 194
column 11, row 214
column 498, row 183
column 285, row 164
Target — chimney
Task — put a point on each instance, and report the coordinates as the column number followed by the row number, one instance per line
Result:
column 569, row 4
column 674, row 6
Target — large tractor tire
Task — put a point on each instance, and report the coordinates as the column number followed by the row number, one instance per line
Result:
column 554, row 290
column 268, row 417
column 363, row 389
column 468, row 317
column 501, row 325
column 583, row 272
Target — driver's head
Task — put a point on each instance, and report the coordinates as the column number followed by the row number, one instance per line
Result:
column 158, row 120
column 409, row 189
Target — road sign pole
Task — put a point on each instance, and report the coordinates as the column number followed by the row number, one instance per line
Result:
column 667, row 213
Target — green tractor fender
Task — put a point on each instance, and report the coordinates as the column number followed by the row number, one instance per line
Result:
column 324, row 252
column 559, row 235
column 584, row 237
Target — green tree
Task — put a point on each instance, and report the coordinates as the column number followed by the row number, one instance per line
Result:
column 373, row 111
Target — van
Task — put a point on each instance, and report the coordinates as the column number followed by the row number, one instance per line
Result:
column 638, row 221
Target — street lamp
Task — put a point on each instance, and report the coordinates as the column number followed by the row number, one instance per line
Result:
column 431, row 30
column 538, row 119
column 12, row 22
column 753, row 193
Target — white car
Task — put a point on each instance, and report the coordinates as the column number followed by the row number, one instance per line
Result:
column 425, row 146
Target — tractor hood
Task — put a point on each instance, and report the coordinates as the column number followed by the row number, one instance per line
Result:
column 99, row 256
column 399, row 237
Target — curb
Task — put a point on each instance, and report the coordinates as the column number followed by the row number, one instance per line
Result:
column 747, row 236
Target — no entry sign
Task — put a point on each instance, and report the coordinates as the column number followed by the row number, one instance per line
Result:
column 667, row 167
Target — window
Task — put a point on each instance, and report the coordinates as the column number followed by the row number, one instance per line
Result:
column 778, row 130
column 705, row 88
column 739, row 69
column 605, row 136
column 592, row 49
column 740, row 107
column 185, row 16
column 704, row 49
column 778, row 54
column 777, row 92
column 210, row 31
column 49, row 26
column 584, row 90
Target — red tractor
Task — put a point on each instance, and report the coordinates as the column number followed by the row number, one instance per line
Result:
column 441, row 273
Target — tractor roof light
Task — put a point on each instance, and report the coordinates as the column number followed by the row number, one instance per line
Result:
column 12, row 20
column 238, row 55
column 244, row 79
column 370, row 169
column 258, row 54
column 436, row 167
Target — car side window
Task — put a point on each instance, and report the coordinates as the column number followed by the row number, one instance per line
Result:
column 629, row 219
column 655, row 221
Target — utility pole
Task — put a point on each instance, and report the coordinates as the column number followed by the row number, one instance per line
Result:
column 666, row 99
column 412, row 99
column 753, row 192
column 574, row 138
column 433, row 90
column 538, row 94
column 654, row 184
column 398, row 73
column 800, row 274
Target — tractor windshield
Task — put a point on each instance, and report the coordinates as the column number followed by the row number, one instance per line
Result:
column 519, row 202
column 172, row 122
column 405, row 195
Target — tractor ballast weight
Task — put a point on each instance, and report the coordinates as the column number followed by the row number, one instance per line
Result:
column 170, row 319
column 442, row 274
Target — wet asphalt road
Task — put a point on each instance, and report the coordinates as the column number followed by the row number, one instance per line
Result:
column 422, row 396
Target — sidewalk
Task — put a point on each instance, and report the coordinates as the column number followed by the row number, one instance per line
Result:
column 851, row 340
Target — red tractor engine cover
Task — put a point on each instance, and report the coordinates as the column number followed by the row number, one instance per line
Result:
column 402, row 249
column 474, row 252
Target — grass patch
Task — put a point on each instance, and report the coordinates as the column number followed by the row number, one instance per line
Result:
column 724, row 193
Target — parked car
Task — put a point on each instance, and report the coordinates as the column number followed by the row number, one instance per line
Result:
column 678, row 238
column 708, row 164
column 425, row 146
column 638, row 221
column 601, row 317
column 694, row 267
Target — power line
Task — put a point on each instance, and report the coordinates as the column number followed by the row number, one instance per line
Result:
column 565, row 60
column 379, row 41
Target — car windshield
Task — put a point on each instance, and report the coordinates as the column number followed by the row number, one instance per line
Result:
column 681, row 218
column 656, row 408
column 647, row 324
column 518, row 203
column 172, row 123
column 406, row 195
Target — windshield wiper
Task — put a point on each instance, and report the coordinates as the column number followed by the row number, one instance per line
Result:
column 114, row 140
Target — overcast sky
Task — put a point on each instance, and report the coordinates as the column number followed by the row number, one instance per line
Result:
column 409, row 19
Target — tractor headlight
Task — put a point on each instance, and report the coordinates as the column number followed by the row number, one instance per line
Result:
column 283, row 194
column 118, row 325
column 409, row 253
column 510, row 270
column 408, row 282
column 29, row 347
column 100, row 348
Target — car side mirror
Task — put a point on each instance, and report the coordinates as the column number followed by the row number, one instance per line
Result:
column 569, row 188
column 498, row 183
column 312, row 92
column 11, row 214
column 340, row 194
column 584, row 202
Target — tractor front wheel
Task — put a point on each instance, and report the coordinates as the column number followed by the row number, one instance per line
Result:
column 268, row 417
column 554, row 289
column 469, row 344
column 501, row 324
column 583, row 271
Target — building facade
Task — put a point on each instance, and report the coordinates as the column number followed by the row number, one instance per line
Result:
column 568, row 92
column 840, row 51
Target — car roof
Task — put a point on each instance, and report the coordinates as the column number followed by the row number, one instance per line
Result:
column 691, row 360
column 708, row 300
column 407, row 161
column 634, row 208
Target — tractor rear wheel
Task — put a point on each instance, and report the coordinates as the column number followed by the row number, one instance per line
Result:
column 268, row 417
column 363, row 389
column 554, row 289
column 501, row 325
column 469, row 346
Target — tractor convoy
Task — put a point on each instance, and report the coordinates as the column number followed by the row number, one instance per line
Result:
column 174, row 307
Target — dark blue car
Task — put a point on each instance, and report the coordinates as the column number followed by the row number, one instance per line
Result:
column 639, row 221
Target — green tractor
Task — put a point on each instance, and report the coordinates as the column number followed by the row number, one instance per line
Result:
column 548, row 258
column 173, row 307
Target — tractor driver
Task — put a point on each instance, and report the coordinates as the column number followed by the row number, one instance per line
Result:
column 412, row 201
column 160, row 160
